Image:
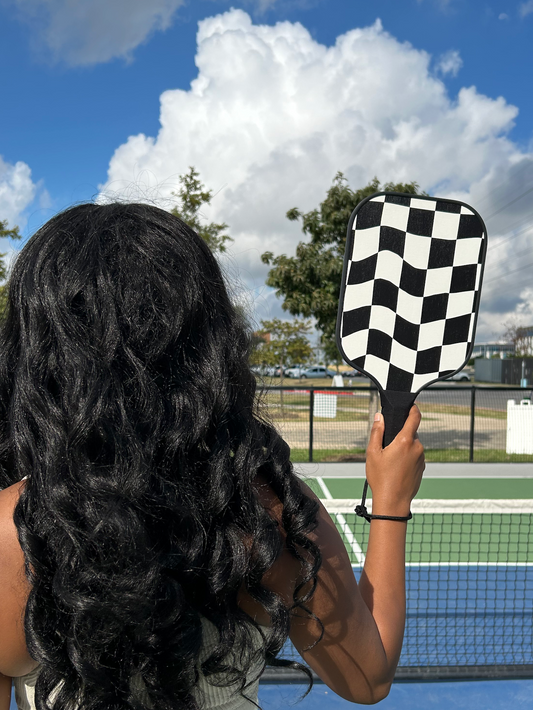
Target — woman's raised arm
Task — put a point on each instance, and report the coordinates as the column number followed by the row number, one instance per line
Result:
column 364, row 624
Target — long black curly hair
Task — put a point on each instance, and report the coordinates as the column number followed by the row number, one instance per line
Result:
column 127, row 400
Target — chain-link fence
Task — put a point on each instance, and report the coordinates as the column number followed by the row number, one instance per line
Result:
column 459, row 423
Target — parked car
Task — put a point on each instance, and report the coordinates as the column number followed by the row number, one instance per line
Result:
column 295, row 371
column 265, row 371
column 352, row 373
column 461, row 376
column 317, row 371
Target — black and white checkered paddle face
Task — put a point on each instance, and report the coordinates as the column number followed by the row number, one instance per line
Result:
column 410, row 293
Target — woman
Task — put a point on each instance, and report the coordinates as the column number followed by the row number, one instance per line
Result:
column 156, row 547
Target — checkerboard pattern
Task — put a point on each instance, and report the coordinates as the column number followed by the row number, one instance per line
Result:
column 412, row 289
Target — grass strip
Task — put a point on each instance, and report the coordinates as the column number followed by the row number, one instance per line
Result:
column 432, row 455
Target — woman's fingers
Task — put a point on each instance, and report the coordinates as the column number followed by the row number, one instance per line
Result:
column 375, row 442
column 394, row 473
column 413, row 422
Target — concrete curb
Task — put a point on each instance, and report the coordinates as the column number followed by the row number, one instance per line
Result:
column 433, row 470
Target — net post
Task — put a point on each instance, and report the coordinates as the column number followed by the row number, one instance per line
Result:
column 311, row 409
column 472, row 422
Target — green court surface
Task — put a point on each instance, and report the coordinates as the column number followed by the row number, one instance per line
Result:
column 462, row 538
column 438, row 488
column 486, row 529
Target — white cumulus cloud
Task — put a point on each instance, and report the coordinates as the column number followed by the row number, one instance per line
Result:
column 263, row 5
column 17, row 192
column 450, row 63
column 503, row 196
column 273, row 115
column 526, row 8
column 87, row 32
column 443, row 5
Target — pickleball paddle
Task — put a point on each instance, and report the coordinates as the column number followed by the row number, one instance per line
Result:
column 410, row 294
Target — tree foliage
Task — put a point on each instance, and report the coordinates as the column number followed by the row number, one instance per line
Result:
column 5, row 232
column 519, row 336
column 284, row 343
column 309, row 282
column 192, row 196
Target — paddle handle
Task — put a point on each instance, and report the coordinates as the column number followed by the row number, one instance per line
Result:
column 395, row 407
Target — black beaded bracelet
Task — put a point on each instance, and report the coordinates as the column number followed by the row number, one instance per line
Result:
column 362, row 512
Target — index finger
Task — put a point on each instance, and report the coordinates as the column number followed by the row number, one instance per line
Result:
column 412, row 422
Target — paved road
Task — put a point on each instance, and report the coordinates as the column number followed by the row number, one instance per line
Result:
column 462, row 395
column 437, row 431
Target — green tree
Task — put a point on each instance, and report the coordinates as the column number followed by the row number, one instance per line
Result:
column 284, row 343
column 519, row 336
column 332, row 355
column 258, row 341
column 13, row 233
column 192, row 196
column 309, row 283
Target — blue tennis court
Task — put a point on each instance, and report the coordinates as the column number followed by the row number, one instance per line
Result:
column 480, row 695
column 467, row 616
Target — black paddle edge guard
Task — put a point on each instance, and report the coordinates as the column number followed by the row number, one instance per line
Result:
column 421, row 674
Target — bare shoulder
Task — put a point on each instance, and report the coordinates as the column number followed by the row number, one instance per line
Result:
column 14, row 588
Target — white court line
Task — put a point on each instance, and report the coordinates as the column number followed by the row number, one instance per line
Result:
column 430, row 506
column 356, row 549
column 324, row 488
column 469, row 564
column 460, row 564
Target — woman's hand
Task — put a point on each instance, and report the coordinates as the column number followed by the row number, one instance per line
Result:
column 394, row 473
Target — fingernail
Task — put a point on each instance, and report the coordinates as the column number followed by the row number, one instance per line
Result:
column 377, row 417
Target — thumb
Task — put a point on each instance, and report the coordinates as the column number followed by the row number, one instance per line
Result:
column 375, row 442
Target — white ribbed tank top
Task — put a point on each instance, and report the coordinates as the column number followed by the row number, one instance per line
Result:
column 209, row 696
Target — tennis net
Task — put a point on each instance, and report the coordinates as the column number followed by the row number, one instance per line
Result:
column 469, row 584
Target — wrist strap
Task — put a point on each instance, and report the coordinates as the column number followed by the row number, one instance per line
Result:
column 362, row 512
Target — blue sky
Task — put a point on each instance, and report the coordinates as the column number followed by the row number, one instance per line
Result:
column 287, row 93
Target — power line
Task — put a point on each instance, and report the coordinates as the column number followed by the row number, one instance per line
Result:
column 512, row 236
column 527, row 164
column 508, row 273
column 516, row 289
column 520, row 281
column 516, row 255
column 510, row 203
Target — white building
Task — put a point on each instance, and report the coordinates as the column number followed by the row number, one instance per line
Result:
column 488, row 350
